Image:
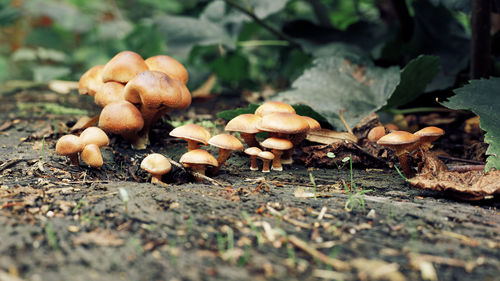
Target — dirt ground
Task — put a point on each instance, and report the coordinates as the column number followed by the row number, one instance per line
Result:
column 61, row 222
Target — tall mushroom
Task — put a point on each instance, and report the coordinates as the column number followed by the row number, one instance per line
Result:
column 198, row 160
column 155, row 94
column 193, row 134
column 246, row 124
column 277, row 146
column 123, row 118
column 253, row 152
column 402, row 143
column 226, row 144
column 266, row 157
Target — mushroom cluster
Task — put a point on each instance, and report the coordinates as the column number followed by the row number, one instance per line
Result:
column 135, row 93
column 87, row 145
column 285, row 130
column 405, row 144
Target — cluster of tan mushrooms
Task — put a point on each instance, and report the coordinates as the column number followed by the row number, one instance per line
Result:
column 87, row 145
column 134, row 93
column 405, row 144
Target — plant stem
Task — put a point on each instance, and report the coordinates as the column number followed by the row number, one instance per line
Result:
column 271, row 29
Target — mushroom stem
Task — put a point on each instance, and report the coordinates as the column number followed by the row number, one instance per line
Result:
column 286, row 158
column 265, row 165
column 192, row 145
column 253, row 163
column 74, row 159
column 221, row 159
column 405, row 165
column 277, row 160
column 199, row 169
column 250, row 139
column 157, row 179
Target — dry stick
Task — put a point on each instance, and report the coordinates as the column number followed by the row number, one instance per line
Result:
column 10, row 162
column 271, row 29
column 461, row 160
column 465, row 168
column 345, row 123
column 335, row 263
column 212, row 181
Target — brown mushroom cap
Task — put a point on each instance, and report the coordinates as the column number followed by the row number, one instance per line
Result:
column 246, row 123
column 268, row 155
column 94, row 135
column 399, row 141
column 198, row 157
column 283, row 123
column 273, row 106
column 156, row 164
column 191, row 132
column 277, row 143
column 123, row 67
column 108, row 93
column 153, row 89
column 91, row 155
column 121, row 118
column 431, row 133
column 376, row 133
column 253, row 151
column 91, row 81
column 313, row 124
column 69, row 144
column 226, row 141
column 168, row 65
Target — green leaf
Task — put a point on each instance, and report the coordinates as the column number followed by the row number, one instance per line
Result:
column 459, row 5
column 44, row 73
column 304, row 110
column 414, row 78
column 350, row 84
column 230, row 114
column 481, row 97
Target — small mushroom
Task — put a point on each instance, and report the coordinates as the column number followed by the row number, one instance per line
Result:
column 253, row 152
column 273, row 106
column 94, row 135
column 169, row 66
column 193, row 134
column 123, row 67
column 277, row 147
column 70, row 146
column 376, row 133
column 266, row 157
column 428, row 135
column 246, row 124
column 198, row 160
column 402, row 143
column 91, row 81
column 108, row 93
column 157, row 165
column 123, row 118
column 91, row 155
column 226, row 144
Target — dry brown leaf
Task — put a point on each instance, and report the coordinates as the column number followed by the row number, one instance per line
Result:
column 99, row 237
column 325, row 136
column 84, row 122
column 62, row 87
column 205, row 89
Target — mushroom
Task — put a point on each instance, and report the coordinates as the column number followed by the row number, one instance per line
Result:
column 428, row 135
column 123, row 67
column 123, row 118
column 108, row 93
column 402, row 143
column 197, row 160
column 155, row 94
column 94, row 135
column 266, row 157
column 253, row 152
column 91, row 81
column 226, row 144
column 70, row 146
column 169, row 66
column 91, row 155
column 277, row 147
column 246, row 124
column 284, row 125
column 157, row 165
column 193, row 134
column 273, row 106
column 376, row 133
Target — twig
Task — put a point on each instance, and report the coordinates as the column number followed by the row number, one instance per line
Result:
column 461, row 160
column 465, row 168
column 335, row 263
column 271, row 29
column 345, row 123
column 9, row 163
column 196, row 174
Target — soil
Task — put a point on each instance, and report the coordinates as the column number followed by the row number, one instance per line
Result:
column 61, row 222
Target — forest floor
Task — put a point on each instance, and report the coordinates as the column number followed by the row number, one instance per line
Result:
column 61, row 222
